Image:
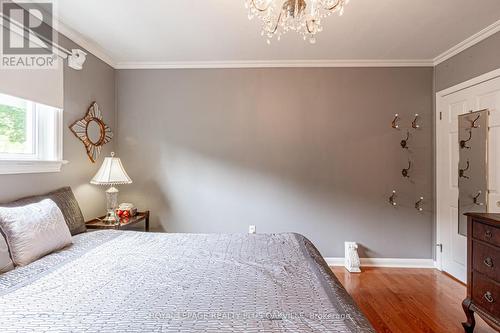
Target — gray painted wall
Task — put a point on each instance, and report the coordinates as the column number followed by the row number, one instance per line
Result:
column 94, row 82
column 479, row 59
column 302, row 150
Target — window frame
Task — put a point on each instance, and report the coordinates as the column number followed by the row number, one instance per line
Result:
column 47, row 153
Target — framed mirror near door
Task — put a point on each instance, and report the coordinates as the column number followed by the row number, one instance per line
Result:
column 472, row 166
column 460, row 172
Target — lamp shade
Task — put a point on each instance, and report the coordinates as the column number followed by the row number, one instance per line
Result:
column 111, row 173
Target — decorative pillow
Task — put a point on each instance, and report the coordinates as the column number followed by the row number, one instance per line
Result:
column 66, row 201
column 5, row 261
column 34, row 230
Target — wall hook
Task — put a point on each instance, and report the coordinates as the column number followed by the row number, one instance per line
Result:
column 404, row 142
column 414, row 123
column 461, row 172
column 473, row 123
column 476, row 199
column 406, row 172
column 463, row 143
column 392, row 198
column 394, row 123
column 418, row 204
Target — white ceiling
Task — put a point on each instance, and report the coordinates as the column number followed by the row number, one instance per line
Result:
column 133, row 32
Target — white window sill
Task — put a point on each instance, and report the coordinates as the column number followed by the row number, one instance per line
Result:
column 12, row 167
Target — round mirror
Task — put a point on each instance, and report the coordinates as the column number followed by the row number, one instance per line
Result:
column 94, row 131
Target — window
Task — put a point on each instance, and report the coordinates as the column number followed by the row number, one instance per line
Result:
column 17, row 128
column 30, row 136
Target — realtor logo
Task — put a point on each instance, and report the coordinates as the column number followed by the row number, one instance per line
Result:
column 27, row 35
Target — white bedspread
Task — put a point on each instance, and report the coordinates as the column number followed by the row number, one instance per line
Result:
column 120, row 281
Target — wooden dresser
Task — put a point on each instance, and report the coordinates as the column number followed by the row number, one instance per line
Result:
column 483, row 270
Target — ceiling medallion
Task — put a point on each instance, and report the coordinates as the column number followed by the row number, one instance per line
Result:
column 302, row 16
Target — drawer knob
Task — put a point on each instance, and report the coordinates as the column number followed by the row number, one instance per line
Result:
column 488, row 297
column 488, row 234
column 488, row 262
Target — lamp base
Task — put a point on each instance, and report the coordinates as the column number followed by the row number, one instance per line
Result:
column 111, row 219
column 111, row 205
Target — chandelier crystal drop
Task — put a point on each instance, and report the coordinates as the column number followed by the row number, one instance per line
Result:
column 302, row 16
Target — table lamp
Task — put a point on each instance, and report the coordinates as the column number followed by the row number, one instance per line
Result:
column 110, row 174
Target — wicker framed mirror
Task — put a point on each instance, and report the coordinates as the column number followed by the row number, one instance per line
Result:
column 92, row 131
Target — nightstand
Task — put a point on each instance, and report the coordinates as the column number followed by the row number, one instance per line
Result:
column 125, row 223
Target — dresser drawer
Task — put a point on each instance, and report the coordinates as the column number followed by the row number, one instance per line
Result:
column 486, row 294
column 486, row 260
column 486, row 233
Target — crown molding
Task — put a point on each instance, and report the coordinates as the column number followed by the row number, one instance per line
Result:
column 82, row 41
column 471, row 41
column 100, row 53
column 273, row 64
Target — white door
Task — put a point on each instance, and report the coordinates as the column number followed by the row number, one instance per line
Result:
column 450, row 105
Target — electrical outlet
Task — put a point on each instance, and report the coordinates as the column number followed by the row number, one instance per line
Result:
column 252, row 229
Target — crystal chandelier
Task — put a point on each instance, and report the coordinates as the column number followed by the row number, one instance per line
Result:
column 303, row 16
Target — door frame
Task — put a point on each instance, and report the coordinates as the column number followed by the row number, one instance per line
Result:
column 439, row 96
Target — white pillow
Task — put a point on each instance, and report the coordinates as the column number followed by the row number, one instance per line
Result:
column 34, row 230
column 5, row 261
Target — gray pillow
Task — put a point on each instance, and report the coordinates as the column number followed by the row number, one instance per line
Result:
column 34, row 230
column 5, row 261
column 66, row 201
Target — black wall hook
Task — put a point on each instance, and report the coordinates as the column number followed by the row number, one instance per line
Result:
column 394, row 123
column 476, row 199
column 463, row 143
column 406, row 172
column 418, row 204
column 461, row 172
column 392, row 198
column 404, row 142
column 414, row 123
column 473, row 123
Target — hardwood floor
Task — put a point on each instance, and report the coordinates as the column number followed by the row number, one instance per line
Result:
column 409, row 300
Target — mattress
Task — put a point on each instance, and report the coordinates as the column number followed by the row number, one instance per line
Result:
column 125, row 281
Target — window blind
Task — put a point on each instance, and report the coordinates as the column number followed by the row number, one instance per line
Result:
column 45, row 86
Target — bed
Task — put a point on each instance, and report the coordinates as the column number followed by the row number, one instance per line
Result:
column 126, row 281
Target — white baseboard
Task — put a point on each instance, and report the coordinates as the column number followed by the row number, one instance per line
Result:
column 386, row 262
